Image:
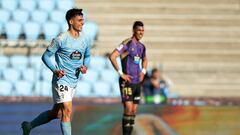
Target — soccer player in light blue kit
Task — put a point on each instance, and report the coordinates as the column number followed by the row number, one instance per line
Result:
column 72, row 56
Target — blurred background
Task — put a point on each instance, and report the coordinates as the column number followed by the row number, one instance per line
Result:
column 192, row 83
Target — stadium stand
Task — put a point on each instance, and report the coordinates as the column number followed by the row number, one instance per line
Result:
column 194, row 42
column 24, row 88
column 84, row 89
column 20, row 16
column 92, row 76
column 4, row 62
column 58, row 16
column 28, row 5
column 5, row 16
column 43, row 88
column 47, row 5
column 31, row 75
column 45, row 18
column 6, row 87
column 64, row 5
column 19, row 61
column 32, row 30
column 101, row 89
column 51, row 30
column 10, row 5
column 39, row 16
column 13, row 30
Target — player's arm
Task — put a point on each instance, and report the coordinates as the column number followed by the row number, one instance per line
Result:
column 51, row 50
column 144, row 65
column 144, row 68
column 113, row 56
column 86, row 61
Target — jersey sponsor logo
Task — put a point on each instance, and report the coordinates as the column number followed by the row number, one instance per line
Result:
column 120, row 47
column 136, row 59
column 76, row 55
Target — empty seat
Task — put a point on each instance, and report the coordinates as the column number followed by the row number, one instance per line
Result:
column 64, row 5
column 19, row 61
column 32, row 30
column 13, row 30
column 10, row 5
column 47, row 74
column 115, row 90
column 39, row 16
column 1, row 29
column 90, row 29
column 4, row 61
column 43, row 88
column 24, row 88
column 109, row 64
column 36, row 61
column 110, row 76
column 28, row 5
column 58, row 16
column 50, row 30
column 31, row 75
column 5, row 16
column 6, row 88
column 98, row 63
column 12, row 75
column 91, row 76
column 46, row 5
column 20, row 16
column 64, row 27
column 102, row 89
column 84, row 89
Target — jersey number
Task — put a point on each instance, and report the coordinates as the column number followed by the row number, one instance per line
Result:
column 62, row 88
column 127, row 91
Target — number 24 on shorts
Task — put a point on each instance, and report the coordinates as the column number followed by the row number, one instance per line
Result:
column 62, row 88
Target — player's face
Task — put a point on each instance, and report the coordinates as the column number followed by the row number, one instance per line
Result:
column 138, row 32
column 77, row 23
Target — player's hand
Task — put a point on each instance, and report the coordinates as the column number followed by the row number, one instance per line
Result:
column 83, row 69
column 59, row 73
column 141, row 76
column 126, row 78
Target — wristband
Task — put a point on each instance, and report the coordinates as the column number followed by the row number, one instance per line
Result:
column 120, row 72
column 144, row 71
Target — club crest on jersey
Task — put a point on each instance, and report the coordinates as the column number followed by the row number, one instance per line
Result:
column 76, row 55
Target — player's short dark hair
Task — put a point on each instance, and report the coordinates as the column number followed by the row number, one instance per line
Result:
column 72, row 13
column 137, row 23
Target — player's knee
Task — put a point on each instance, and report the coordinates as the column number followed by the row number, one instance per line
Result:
column 128, row 111
column 67, row 111
column 134, row 111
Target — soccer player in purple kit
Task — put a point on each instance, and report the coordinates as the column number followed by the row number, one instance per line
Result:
column 131, row 52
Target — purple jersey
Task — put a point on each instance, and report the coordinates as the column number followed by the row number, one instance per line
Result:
column 131, row 55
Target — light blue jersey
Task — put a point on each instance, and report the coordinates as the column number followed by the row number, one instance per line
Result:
column 70, row 54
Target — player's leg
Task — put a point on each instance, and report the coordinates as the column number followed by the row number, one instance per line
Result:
column 134, row 111
column 128, row 116
column 41, row 119
column 136, row 92
column 66, row 109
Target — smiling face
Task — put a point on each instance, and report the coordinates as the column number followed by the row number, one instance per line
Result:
column 138, row 32
column 76, row 23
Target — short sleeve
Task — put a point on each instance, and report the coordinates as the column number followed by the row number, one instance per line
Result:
column 121, row 48
column 54, row 45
